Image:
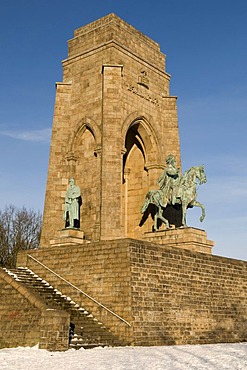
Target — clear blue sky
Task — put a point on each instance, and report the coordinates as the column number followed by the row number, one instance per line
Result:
column 206, row 49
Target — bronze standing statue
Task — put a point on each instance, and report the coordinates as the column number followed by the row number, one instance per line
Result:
column 176, row 190
column 72, row 205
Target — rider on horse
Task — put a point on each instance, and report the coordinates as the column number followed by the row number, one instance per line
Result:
column 169, row 181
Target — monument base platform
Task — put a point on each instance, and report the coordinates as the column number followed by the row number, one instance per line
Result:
column 169, row 295
column 186, row 238
column 68, row 237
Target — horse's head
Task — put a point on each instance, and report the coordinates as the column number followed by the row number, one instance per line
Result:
column 200, row 174
column 196, row 172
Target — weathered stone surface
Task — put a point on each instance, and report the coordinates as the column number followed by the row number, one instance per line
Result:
column 185, row 238
column 25, row 320
column 169, row 295
column 114, row 124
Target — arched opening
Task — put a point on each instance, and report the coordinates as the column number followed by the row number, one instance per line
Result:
column 87, row 175
column 135, row 179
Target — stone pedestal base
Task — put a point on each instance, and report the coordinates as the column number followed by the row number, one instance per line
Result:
column 68, row 237
column 186, row 238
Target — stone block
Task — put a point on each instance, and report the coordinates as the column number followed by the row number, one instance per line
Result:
column 185, row 238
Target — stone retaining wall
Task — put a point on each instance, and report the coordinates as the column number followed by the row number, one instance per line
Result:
column 26, row 321
column 169, row 295
column 184, row 297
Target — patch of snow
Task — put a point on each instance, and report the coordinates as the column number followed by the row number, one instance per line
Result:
column 187, row 357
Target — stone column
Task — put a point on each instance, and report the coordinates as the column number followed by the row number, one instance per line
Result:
column 111, row 162
column 71, row 160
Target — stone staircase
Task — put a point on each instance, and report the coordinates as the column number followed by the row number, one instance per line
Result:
column 89, row 332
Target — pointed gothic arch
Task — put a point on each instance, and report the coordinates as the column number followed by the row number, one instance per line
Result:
column 84, row 164
column 144, row 128
column 142, row 150
column 85, row 123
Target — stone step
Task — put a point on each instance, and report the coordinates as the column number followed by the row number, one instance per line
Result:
column 78, row 342
column 93, row 334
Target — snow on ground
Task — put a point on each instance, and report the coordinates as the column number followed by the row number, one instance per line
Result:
column 188, row 357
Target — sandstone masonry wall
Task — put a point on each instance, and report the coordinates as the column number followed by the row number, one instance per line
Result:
column 101, row 270
column 112, row 110
column 184, row 297
column 19, row 321
column 168, row 295
column 25, row 320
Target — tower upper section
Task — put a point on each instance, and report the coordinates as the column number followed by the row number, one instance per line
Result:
column 113, row 30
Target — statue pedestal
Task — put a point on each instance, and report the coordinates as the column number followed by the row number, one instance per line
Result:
column 186, row 238
column 68, row 237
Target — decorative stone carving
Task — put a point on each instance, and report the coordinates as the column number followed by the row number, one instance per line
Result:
column 143, row 79
column 142, row 93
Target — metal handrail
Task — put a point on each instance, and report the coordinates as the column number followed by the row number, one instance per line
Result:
column 81, row 291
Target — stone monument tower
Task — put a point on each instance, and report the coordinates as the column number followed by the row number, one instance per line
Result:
column 100, row 265
column 114, row 124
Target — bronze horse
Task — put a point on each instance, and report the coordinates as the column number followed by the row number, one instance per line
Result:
column 186, row 195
